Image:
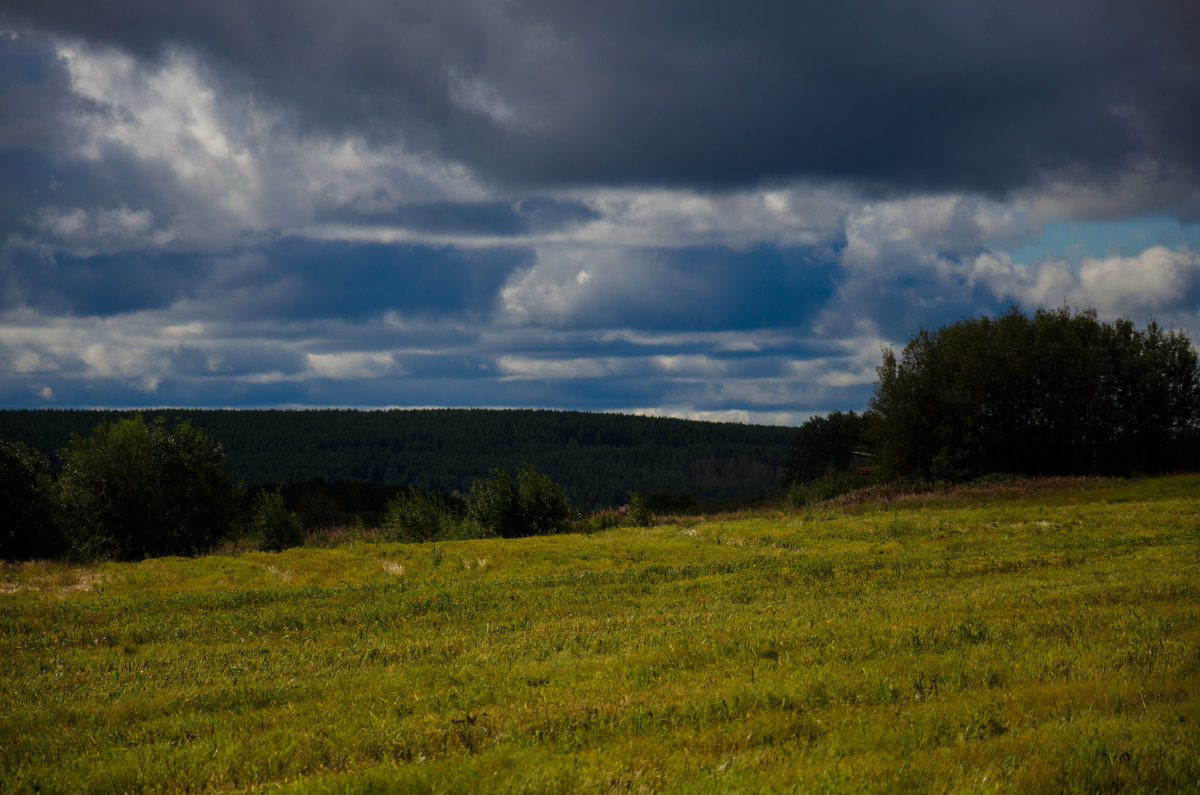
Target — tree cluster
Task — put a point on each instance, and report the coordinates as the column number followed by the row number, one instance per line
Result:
column 824, row 444
column 133, row 489
column 127, row 491
column 1048, row 394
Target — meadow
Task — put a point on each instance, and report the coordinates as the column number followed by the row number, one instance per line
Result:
column 1003, row 639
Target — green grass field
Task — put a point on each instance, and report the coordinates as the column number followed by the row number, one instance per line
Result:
column 1009, row 639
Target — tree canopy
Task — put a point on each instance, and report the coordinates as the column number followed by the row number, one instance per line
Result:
column 1052, row 393
column 131, row 490
column 822, row 444
column 29, row 528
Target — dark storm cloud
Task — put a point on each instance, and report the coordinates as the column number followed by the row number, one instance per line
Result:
column 717, row 287
column 306, row 279
column 290, row 279
column 536, row 215
column 764, row 287
column 33, row 93
column 100, row 285
column 37, row 111
column 935, row 94
column 32, row 84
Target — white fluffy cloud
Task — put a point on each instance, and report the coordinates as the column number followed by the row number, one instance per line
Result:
column 568, row 283
column 234, row 168
column 1158, row 279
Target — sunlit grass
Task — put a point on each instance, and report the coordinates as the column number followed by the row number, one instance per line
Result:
column 1024, row 641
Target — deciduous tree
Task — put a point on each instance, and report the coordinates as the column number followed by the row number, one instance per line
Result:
column 131, row 490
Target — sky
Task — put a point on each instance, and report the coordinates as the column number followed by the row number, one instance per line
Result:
column 701, row 209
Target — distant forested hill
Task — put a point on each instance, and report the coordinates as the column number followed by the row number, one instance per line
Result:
column 596, row 457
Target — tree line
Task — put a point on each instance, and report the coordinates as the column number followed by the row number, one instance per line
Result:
column 1052, row 393
column 595, row 457
column 133, row 489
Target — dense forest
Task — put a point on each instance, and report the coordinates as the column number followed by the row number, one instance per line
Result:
column 596, row 458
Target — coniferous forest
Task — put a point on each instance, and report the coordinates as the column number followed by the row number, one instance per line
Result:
column 597, row 458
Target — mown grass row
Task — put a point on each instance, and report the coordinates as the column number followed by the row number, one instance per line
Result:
column 1040, row 642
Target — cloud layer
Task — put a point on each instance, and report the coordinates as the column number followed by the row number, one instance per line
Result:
column 676, row 209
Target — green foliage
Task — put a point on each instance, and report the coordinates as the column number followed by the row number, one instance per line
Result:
column 1055, row 393
column 530, row 504
column 132, row 490
column 275, row 528
column 29, row 528
column 639, row 511
column 824, row 443
column 543, row 503
column 413, row 515
column 465, row 529
column 496, row 505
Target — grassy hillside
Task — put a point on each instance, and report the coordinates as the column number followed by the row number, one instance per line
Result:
column 1047, row 641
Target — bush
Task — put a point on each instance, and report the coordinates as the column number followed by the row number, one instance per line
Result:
column 639, row 511
column 275, row 528
column 30, row 528
column 543, row 504
column 530, row 504
column 131, row 490
column 413, row 515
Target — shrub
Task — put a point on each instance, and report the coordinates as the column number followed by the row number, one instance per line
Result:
column 275, row 528
column 413, row 515
column 639, row 511
column 465, row 531
column 496, row 505
column 131, row 490
column 530, row 504
column 29, row 528
column 543, row 504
